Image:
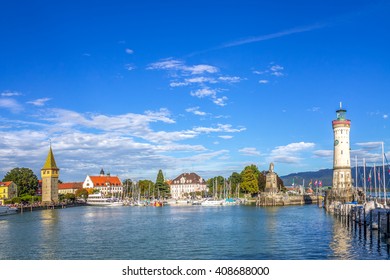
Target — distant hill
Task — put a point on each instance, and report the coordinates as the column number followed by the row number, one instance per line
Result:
column 326, row 176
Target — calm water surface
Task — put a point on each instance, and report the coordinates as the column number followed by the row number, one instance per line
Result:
column 194, row 232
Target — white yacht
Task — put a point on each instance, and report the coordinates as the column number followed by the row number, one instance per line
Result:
column 6, row 210
column 98, row 199
column 212, row 202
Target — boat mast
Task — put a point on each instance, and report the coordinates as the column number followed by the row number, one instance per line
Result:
column 376, row 194
column 384, row 175
column 364, row 183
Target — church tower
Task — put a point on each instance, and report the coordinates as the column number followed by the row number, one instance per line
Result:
column 342, row 179
column 49, row 175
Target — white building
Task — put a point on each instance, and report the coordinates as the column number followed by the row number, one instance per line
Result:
column 187, row 183
column 106, row 184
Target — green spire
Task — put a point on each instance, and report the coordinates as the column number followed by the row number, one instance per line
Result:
column 50, row 161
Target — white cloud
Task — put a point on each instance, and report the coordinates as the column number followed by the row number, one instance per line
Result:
column 129, row 67
column 203, row 92
column 179, row 65
column 272, row 70
column 249, row 151
column 276, row 70
column 11, row 104
column 225, row 136
column 220, row 128
column 129, row 51
column 290, row 153
column 201, row 68
column 221, row 101
column 272, row 36
column 127, row 144
column 200, row 80
column 385, row 116
column 195, row 111
column 370, row 145
column 178, row 84
column 166, row 64
column 230, row 79
column 39, row 102
column 323, row 153
column 10, row 93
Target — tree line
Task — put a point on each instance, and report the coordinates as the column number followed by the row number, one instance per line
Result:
column 249, row 181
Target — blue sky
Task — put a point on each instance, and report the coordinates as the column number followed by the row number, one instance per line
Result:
column 209, row 87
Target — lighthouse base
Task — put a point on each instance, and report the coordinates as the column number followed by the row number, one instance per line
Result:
column 332, row 196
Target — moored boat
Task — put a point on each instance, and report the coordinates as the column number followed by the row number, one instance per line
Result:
column 98, row 199
column 7, row 210
column 212, row 202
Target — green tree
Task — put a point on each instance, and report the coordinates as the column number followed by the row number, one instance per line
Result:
column 250, row 183
column 82, row 193
column 234, row 180
column 146, row 188
column 161, row 185
column 216, row 186
column 24, row 178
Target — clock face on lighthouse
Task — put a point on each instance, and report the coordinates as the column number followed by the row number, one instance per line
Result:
column 336, row 142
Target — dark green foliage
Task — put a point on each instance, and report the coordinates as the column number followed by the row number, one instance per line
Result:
column 161, row 186
column 24, row 178
column 250, row 183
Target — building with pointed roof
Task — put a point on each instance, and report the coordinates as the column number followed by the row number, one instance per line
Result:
column 187, row 183
column 49, row 174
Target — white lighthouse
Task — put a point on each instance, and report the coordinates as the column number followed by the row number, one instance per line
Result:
column 342, row 180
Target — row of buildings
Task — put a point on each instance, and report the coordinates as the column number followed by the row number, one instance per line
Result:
column 50, row 188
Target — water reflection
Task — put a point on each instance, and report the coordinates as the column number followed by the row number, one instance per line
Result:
column 341, row 243
column 243, row 232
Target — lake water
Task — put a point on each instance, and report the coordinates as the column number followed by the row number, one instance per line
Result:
column 192, row 232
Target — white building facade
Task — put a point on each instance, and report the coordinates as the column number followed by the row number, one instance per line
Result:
column 187, row 183
column 106, row 184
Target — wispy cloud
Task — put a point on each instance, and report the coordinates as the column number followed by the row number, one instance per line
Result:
column 10, row 93
column 127, row 143
column 272, row 70
column 179, row 65
column 129, row 51
column 11, row 105
column 129, row 67
column 200, row 78
column 203, row 92
column 225, row 136
column 249, row 151
column 266, row 37
column 39, row 102
column 196, row 111
column 290, row 153
column 220, row 101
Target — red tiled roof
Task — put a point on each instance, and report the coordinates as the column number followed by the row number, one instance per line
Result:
column 103, row 180
column 69, row 186
column 5, row 184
